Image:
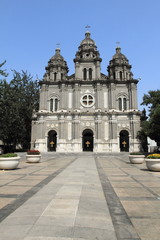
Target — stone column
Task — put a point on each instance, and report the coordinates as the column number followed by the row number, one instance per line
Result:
column 112, row 100
column 42, row 97
column 76, row 96
column 98, row 99
column 63, row 97
column 98, row 127
column 98, row 66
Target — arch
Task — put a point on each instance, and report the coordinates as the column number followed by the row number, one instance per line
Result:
column 124, row 103
column 51, row 104
column 55, row 76
column 120, row 75
column 120, row 104
column 87, row 140
column 124, row 141
column 122, row 99
column 52, row 140
column 85, row 74
column 55, row 104
column 90, row 73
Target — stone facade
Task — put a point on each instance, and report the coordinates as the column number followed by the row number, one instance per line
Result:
column 87, row 111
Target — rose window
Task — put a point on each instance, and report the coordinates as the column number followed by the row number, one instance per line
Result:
column 87, row 100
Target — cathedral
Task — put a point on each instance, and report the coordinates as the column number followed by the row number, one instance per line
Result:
column 88, row 110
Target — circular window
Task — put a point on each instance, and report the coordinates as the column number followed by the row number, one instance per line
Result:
column 87, row 100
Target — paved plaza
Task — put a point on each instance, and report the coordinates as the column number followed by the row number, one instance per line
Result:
column 78, row 197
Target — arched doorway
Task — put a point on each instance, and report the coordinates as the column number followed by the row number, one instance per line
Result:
column 52, row 140
column 124, row 141
column 87, row 140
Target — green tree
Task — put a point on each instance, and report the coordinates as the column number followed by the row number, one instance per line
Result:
column 152, row 127
column 18, row 99
column 3, row 72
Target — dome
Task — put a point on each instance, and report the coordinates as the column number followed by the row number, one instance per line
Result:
column 87, row 50
column 119, row 55
column 87, row 40
column 57, row 56
column 57, row 60
column 119, row 67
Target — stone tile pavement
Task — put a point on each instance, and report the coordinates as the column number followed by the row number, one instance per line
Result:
column 78, row 197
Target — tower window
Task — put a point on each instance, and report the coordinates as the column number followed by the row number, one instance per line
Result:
column 51, row 104
column 90, row 73
column 85, row 74
column 61, row 76
column 120, row 75
column 122, row 103
column 55, row 104
column 55, row 76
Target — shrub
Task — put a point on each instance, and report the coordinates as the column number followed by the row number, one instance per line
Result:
column 153, row 156
column 136, row 153
column 33, row 152
column 7, row 155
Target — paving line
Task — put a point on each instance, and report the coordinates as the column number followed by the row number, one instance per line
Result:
column 123, row 226
column 11, row 207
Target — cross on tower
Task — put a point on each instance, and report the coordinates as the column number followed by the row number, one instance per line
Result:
column 117, row 44
column 87, row 27
column 58, row 45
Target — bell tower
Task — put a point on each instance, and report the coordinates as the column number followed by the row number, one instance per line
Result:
column 119, row 67
column 57, row 68
column 87, row 60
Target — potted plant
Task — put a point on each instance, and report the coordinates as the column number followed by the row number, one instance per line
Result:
column 33, row 156
column 9, row 161
column 137, row 157
column 153, row 162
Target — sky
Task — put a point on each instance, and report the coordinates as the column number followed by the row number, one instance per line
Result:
column 31, row 29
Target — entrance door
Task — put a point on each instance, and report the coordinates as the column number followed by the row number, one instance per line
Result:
column 87, row 140
column 124, row 141
column 52, row 140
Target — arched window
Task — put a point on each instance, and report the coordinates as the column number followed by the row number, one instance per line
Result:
column 55, row 104
column 114, row 75
column 90, row 73
column 120, row 75
column 51, row 104
column 120, row 104
column 61, row 76
column 124, row 104
column 126, row 76
column 55, row 76
column 85, row 74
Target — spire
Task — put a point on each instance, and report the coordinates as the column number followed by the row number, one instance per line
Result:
column 118, row 50
column 87, row 34
column 57, row 51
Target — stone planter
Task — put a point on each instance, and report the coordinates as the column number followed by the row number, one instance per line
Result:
column 9, row 163
column 153, row 164
column 137, row 159
column 33, row 158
